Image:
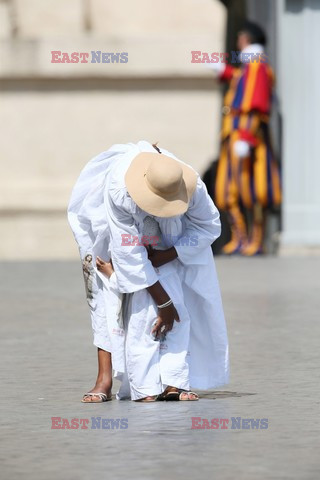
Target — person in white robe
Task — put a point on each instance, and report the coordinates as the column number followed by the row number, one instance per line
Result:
column 115, row 194
column 153, row 364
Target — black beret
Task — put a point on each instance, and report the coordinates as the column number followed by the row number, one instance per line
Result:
column 256, row 33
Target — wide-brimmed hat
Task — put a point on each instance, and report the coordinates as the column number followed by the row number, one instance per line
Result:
column 160, row 185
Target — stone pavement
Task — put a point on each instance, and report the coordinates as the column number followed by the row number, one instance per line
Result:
column 48, row 362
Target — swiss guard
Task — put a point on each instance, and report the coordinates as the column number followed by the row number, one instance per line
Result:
column 248, row 177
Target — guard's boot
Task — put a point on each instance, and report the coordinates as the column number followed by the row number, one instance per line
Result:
column 238, row 233
column 255, row 246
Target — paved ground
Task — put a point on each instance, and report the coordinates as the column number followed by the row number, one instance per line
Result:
column 47, row 362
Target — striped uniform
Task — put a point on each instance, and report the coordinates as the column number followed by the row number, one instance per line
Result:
column 256, row 178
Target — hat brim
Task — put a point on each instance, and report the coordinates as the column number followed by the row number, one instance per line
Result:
column 151, row 202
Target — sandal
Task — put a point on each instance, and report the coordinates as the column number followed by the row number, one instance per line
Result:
column 102, row 397
column 178, row 394
column 148, row 399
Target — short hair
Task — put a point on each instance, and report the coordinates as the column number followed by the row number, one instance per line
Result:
column 255, row 32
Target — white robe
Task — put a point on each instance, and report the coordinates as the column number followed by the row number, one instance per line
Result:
column 101, row 210
column 151, row 365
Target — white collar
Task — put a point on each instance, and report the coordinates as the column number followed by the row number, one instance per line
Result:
column 254, row 48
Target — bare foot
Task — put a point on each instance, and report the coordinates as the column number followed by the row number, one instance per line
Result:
column 100, row 387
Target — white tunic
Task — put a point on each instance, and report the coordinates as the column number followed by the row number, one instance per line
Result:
column 101, row 211
column 152, row 364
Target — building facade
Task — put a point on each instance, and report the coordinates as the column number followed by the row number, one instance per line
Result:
column 55, row 117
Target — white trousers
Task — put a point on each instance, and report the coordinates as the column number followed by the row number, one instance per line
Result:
column 151, row 365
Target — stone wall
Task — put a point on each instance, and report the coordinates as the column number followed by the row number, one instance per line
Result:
column 55, row 117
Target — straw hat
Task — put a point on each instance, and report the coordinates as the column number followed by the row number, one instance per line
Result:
column 160, row 185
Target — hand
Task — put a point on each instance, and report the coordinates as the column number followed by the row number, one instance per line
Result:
column 105, row 267
column 165, row 320
column 241, row 148
column 161, row 257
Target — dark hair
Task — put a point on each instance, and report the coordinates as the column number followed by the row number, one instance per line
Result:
column 255, row 32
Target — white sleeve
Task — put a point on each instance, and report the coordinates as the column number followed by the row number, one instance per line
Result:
column 217, row 68
column 202, row 228
column 133, row 269
column 110, row 282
